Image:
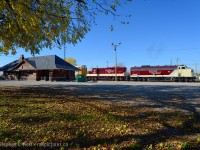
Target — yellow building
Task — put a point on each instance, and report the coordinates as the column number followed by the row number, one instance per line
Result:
column 83, row 70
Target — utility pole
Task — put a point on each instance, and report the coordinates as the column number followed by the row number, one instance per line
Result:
column 115, row 49
column 177, row 59
column 171, row 61
column 64, row 51
column 195, row 69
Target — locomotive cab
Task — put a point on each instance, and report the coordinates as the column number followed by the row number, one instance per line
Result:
column 185, row 73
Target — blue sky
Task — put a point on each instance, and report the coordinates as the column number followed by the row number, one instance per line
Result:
column 160, row 32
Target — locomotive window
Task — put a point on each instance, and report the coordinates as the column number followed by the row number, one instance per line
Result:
column 183, row 67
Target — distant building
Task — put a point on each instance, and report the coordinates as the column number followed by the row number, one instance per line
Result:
column 48, row 68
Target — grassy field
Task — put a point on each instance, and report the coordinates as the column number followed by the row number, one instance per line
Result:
column 40, row 118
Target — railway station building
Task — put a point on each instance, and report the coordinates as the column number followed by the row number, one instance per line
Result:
column 48, row 68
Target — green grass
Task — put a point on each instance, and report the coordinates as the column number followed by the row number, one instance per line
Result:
column 40, row 116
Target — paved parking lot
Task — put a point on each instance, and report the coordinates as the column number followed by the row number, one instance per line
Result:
column 131, row 83
column 184, row 97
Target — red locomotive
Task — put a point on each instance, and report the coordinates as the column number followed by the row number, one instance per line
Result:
column 144, row 73
column 107, row 74
column 173, row 73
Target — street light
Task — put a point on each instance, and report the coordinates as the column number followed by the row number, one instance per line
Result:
column 115, row 49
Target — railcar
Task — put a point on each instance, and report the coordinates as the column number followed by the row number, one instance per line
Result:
column 166, row 73
column 107, row 74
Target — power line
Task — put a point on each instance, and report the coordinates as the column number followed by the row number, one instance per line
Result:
column 182, row 49
column 163, row 50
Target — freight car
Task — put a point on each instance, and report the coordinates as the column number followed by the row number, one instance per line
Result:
column 162, row 73
column 107, row 74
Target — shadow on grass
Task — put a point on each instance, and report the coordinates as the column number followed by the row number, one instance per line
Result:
column 38, row 119
column 182, row 99
column 10, row 134
column 144, row 140
column 32, row 119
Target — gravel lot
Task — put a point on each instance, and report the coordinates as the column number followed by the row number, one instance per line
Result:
column 130, row 83
column 184, row 97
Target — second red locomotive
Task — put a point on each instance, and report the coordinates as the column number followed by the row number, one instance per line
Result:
column 162, row 73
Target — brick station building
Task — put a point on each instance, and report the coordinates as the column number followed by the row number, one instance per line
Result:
column 48, row 68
